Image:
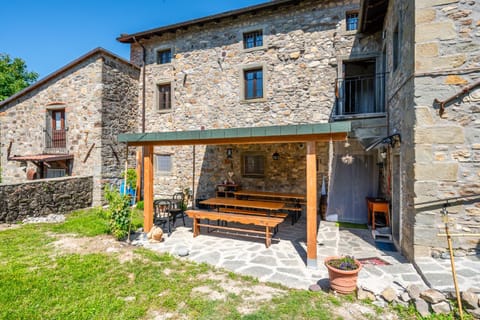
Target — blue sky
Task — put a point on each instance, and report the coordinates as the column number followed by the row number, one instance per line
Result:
column 49, row 34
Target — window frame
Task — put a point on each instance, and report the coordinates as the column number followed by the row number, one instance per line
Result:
column 158, row 55
column 253, row 28
column 157, row 157
column 159, row 93
column 254, row 33
column 349, row 15
column 245, row 86
column 258, row 171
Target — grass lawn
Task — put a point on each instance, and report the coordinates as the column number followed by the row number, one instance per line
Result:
column 43, row 276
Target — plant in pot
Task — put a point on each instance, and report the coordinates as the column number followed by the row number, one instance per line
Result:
column 343, row 273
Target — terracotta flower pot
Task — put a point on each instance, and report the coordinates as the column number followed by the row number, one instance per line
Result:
column 342, row 281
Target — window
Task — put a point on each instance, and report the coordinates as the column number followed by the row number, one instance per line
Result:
column 253, row 83
column 352, row 21
column 163, row 163
column 164, row 96
column 253, row 165
column 395, row 48
column 56, row 173
column 253, row 39
column 164, row 56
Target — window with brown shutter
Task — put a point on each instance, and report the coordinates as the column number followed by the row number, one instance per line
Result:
column 164, row 96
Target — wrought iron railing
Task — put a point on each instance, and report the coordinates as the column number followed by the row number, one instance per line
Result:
column 360, row 95
column 56, row 139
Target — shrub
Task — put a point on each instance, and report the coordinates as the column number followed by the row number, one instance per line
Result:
column 118, row 212
column 140, row 205
column 131, row 177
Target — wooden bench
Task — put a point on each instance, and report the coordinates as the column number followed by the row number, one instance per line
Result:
column 263, row 221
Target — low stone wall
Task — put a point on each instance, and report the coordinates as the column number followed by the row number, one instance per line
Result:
column 43, row 197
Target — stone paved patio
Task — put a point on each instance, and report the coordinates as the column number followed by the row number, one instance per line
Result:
column 284, row 261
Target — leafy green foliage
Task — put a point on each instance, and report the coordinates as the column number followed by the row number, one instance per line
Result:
column 118, row 212
column 131, row 177
column 140, row 205
column 14, row 76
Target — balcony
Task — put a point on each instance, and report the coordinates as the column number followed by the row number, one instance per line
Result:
column 55, row 141
column 360, row 96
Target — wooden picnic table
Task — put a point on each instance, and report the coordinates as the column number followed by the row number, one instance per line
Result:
column 249, row 204
column 268, row 194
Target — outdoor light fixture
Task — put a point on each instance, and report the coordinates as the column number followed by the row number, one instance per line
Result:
column 229, row 153
column 275, row 156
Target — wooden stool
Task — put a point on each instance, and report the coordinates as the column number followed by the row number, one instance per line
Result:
column 380, row 207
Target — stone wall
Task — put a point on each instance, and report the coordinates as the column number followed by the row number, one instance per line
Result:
column 447, row 148
column 119, row 112
column 43, row 197
column 399, row 170
column 304, row 45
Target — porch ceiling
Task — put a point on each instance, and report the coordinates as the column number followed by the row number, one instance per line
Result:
column 253, row 135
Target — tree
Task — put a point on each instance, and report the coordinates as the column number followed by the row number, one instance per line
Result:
column 14, row 76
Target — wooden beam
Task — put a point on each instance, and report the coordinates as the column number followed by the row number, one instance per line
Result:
column 138, row 169
column 148, row 189
column 311, row 205
column 323, row 137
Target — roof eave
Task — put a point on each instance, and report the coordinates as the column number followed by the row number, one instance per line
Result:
column 131, row 38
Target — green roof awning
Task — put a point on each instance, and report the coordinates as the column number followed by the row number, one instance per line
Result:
column 250, row 135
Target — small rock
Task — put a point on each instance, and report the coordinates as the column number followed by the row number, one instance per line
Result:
column 413, row 291
column 474, row 313
column 315, row 288
column 389, row 294
column 445, row 255
column 129, row 298
column 182, row 251
column 422, row 307
column 379, row 303
column 441, row 307
column 432, row 296
column 405, row 297
column 469, row 299
column 365, row 295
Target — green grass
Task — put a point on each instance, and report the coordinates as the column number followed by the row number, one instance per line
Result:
column 349, row 225
column 38, row 282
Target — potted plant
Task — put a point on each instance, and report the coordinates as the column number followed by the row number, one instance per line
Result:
column 343, row 273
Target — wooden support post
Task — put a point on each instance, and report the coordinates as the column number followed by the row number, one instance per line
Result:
column 311, row 205
column 148, row 188
column 138, row 169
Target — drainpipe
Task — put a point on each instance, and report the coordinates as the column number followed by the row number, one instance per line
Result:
column 144, row 64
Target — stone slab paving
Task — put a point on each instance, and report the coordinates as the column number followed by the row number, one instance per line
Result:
column 437, row 272
column 284, row 261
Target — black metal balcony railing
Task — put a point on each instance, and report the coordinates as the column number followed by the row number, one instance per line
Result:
column 55, row 139
column 361, row 95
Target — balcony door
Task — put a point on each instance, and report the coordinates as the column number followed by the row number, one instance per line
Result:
column 57, row 133
column 361, row 90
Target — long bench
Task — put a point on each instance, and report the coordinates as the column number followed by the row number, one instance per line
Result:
column 263, row 221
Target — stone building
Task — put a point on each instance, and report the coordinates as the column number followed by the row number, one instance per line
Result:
column 394, row 84
column 66, row 124
column 307, row 62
